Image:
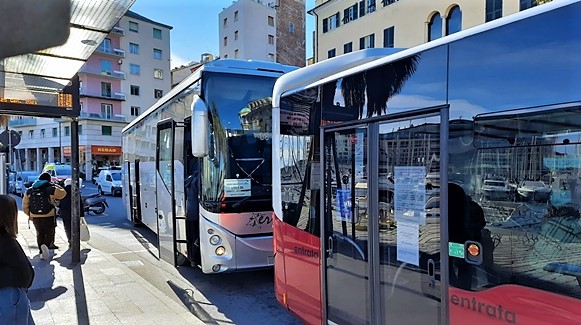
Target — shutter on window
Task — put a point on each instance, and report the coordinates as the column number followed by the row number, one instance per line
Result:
column 325, row 26
column 338, row 19
column 355, row 11
column 362, row 43
column 372, row 41
column 362, row 8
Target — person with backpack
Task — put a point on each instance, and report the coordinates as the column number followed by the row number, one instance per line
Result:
column 39, row 204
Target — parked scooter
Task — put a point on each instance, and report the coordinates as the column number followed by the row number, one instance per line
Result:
column 95, row 203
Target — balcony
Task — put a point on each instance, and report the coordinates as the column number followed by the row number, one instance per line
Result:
column 118, row 53
column 118, row 30
column 111, row 74
column 31, row 121
column 100, row 94
column 97, row 116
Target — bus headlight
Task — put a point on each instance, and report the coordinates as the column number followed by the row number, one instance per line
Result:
column 220, row 250
column 215, row 240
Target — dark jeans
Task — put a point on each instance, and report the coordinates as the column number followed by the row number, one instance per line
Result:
column 67, row 224
column 44, row 231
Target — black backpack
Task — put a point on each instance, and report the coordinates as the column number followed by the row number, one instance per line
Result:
column 39, row 201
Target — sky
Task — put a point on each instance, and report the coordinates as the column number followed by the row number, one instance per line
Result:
column 195, row 25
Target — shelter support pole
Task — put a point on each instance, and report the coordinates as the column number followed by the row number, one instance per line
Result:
column 75, row 192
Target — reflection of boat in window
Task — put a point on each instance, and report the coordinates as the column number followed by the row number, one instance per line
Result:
column 496, row 189
column 534, row 191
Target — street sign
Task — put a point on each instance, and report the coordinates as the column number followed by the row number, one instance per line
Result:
column 9, row 138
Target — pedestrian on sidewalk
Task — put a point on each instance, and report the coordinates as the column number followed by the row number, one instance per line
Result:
column 39, row 204
column 16, row 272
column 65, row 209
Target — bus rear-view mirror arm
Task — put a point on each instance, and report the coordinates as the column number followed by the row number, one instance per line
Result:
column 199, row 128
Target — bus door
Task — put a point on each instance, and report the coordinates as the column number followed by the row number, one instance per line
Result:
column 382, row 219
column 165, row 190
column 127, row 195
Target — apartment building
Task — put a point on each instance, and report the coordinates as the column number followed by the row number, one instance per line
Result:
column 346, row 26
column 127, row 73
column 264, row 30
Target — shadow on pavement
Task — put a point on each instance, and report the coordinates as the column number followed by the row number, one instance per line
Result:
column 187, row 298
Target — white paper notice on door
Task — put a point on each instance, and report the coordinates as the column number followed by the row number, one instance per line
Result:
column 410, row 194
column 408, row 243
column 237, row 187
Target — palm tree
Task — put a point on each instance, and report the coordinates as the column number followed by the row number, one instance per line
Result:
column 379, row 84
column 4, row 120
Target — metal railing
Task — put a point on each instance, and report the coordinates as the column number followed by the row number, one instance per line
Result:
column 118, row 30
column 31, row 121
column 101, row 94
column 113, row 74
column 111, row 51
column 97, row 116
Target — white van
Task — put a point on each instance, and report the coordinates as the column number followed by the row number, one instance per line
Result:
column 109, row 182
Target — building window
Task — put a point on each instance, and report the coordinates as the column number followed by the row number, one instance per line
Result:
column 67, row 131
column 134, row 111
column 133, row 26
column 158, row 74
column 271, row 57
column 157, row 33
column 331, row 23
column 80, row 129
column 270, row 21
column 55, row 132
column 225, row 41
column 388, row 2
column 435, row 27
column 236, row 35
column 270, row 39
column 157, row 53
column 105, row 46
column 236, row 15
column 350, row 14
column 157, row 93
column 134, row 69
column 105, row 89
column 388, row 36
column 331, row 53
column 291, row 28
column 106, row 67
column 134, row 90
column 526, row 4
column 133, row 48
column 454, row 21
column 42, row 133
column 236, row 53
column 348, row 47
column 225, row 22
column 106, row 130
column 370, row 6
column 493, row 9
column 31, row 134
column 106, row 111
column 367, row 42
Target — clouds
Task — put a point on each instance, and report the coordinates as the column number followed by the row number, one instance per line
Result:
column 178, row 60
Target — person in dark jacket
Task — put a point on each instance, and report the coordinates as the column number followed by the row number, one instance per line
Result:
column 44, row 222
column 16, row 272
column 65, row 210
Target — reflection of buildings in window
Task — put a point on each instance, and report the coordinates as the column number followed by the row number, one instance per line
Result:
column 256, row 115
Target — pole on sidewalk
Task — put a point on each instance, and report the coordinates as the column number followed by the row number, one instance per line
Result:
column 3, row 173
column 75, row 192
column 75, row 187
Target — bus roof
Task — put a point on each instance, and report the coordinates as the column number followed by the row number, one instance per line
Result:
column 234, row 66
column 341, row 66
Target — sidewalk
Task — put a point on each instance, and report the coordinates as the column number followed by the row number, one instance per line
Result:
column 99, row 290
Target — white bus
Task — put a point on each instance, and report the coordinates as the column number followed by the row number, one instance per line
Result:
column 202, row 182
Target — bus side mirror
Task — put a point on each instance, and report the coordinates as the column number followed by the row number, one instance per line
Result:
column 199, row 128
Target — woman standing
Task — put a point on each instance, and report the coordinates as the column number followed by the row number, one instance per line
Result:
column 16, row 273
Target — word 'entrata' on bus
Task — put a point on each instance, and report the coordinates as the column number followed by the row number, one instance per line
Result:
column 197, row 167
column 439, row 184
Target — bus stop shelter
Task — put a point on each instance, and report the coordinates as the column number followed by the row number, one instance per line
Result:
column 43, row 44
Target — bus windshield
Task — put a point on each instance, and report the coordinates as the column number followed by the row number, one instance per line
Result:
column 237, row 170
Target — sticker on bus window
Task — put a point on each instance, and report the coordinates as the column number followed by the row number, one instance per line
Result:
column 237, row 187
column 343, row 196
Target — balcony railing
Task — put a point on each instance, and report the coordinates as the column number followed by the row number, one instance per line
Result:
column 118, row 30
column 31, row 121
column 101, row 94
column 97, row 116
column 113, row 74
column 111, row 51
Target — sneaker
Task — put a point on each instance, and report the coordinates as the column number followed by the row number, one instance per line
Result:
column 45, row 252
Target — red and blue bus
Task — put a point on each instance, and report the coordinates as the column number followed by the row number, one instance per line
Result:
column 435, row 185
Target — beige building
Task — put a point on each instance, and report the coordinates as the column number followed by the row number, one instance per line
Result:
column 264, row 30
column 346, row 26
